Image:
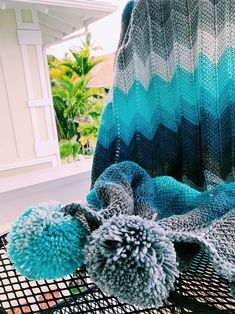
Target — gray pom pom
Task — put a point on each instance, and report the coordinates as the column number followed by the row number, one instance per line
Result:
column 132, row 258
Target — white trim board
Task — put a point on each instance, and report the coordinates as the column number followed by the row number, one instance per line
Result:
column 65, row 189
column 29, row 37
column 59, row 18
column 33, row 38
column 46, row 175
column 107, row 6
column 22, row 25
column 27, row 163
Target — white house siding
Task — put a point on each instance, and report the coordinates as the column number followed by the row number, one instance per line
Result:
column 16, row 133
column 29, row 150
column 28, row 139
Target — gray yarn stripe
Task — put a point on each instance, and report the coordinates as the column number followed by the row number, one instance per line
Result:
column 155, row 65
column 177, row 26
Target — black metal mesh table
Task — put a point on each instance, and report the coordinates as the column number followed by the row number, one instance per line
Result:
column 199, row 291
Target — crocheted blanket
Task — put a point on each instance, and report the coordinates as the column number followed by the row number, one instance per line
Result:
column 172, row 111
column 134, row 234
column 144, row 224
column 171, row 108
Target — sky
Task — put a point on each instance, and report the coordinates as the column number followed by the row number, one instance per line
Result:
column 105, row 33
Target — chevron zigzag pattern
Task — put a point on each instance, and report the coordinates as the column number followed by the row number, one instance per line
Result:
column 172, row 105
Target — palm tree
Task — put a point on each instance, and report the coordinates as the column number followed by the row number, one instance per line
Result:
column 77, row 111
column 83, row 63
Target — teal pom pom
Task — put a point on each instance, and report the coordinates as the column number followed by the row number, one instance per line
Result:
column 133, row 259
column 46, row 244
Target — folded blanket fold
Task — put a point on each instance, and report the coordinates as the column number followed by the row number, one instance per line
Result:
column 184, row 216
column 134, row 234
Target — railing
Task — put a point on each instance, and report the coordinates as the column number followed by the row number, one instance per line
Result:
column 66, row 184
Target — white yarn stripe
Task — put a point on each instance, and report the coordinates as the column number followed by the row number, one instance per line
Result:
column 158, row 66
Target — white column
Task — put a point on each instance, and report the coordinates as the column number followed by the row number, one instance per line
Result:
column 38, row 87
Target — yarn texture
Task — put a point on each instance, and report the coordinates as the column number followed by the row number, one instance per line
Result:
column 171, row 109
column 132, row 258
column 181, row 215
column 133, row 237
column 45, row 244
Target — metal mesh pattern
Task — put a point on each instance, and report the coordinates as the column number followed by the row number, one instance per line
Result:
column 198, row 291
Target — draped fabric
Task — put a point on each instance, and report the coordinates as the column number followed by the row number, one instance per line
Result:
column 171, row 107
column 149, row 230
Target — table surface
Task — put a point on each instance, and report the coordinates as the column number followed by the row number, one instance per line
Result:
column 199, row 290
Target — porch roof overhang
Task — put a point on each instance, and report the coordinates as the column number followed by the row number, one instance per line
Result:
column 60, row 18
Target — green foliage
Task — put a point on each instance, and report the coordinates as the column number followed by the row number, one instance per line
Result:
column 84, row 63
column 69, row 148
column 88, row 126
column 78, row 107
